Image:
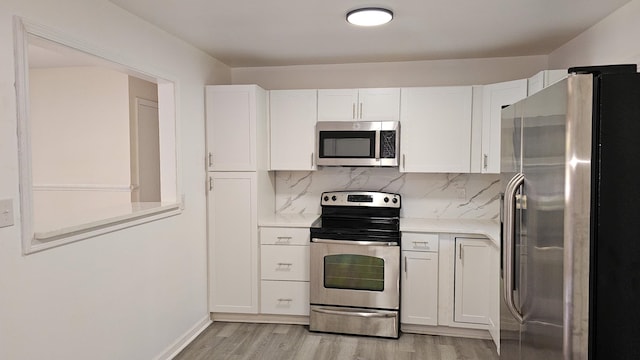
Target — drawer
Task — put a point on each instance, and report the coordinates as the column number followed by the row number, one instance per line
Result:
column 284, row 262
column 284, row 236
column 285, row 297
column 413, row 241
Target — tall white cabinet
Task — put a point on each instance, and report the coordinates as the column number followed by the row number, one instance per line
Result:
column 240, row 189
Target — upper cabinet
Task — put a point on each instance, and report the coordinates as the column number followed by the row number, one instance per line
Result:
column 359, row 104
column 543, row 79
column 494, row 98
column 293, row 119
column 435, row 132
column 235, row 115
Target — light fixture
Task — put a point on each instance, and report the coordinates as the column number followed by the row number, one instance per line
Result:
column 370, row 16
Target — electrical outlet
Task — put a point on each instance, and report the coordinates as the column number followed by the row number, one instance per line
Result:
column 462, row 193
column 6, row 212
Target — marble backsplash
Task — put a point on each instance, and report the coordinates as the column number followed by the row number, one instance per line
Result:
column 439, row 196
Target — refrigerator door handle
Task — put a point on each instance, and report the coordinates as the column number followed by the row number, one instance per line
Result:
column 508, row 244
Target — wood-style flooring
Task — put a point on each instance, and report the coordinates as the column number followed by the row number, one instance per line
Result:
column 237, row 341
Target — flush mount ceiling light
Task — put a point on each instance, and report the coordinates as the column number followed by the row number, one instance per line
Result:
column 370, row 16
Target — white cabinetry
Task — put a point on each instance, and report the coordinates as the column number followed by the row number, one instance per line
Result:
column 235, row 119
column 284, row 271
column 494, row 294
column 233, row 242
column 379, row 104
column 293, row 118
column 472, row 274
column 420, row 279
column 495, row 97
column 436, row 129
column 543, row 79
column 240, row 190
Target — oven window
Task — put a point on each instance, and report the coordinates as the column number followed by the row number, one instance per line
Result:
column 355, row 272
column 347, row 144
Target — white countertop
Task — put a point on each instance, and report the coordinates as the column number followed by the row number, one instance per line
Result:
column 488, row 228
column 288, row 220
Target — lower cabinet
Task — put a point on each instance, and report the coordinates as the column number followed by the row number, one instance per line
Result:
column 284, row 271
column 494, row 294
column 285, row 297
column 419, row 283
column 233, row 243
column 472, row 275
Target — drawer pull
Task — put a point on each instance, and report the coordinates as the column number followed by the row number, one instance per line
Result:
column 283, row 239
column 287, row 265
column 285, row 300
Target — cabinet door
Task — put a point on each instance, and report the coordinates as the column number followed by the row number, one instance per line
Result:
column 435, row 129
column 379, row 104
column 495, row 97
column 494, row 294
column 293, row 120
column 471, row 298
column 337, row 104
column 233, row 244
column 419, row 288
column 231, row 127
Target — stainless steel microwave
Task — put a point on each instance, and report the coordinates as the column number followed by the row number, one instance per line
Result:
column 358, row 143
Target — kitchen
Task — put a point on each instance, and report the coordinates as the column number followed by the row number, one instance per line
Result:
column 174, row 299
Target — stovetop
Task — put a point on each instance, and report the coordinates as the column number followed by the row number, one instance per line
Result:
column 359, row 216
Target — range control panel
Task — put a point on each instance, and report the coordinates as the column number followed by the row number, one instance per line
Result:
column 360, row 198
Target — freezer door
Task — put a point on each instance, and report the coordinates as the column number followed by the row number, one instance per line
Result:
column 510, row 165
column 542, row 211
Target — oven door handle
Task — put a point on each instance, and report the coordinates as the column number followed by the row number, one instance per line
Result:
column 359, row 243
column 354, row 313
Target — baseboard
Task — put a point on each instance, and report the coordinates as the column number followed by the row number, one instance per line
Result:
column 184, row 340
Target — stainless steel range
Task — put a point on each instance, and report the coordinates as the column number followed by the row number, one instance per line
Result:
column 355, row 264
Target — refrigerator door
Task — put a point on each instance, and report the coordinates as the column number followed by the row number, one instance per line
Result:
column 543, row 204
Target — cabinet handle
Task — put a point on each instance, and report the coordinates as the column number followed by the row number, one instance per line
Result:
column 353, row 110
column 404, row 162
column 406, row 267
column 210, row 159
column 460, row 252
column 283, row 239
column 312, row 160
column 210, row 183
column 280, row 264
column 421, row 244
column 360, row 110
column 485, row 161
column 285, row 300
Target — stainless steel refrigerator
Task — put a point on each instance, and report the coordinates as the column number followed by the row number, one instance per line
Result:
column 570, row 269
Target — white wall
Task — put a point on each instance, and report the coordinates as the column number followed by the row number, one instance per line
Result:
column 79, row 119
column 410, row 73
column 129, row 294
column 614, row 40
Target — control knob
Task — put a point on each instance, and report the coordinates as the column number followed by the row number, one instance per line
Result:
column 326, row 198
column 386, row 199
column 334, row 198
column 395, row 200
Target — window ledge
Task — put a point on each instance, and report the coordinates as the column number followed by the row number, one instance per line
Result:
column 108, row 220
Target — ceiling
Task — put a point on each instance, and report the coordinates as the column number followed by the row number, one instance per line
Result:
column 249, row 33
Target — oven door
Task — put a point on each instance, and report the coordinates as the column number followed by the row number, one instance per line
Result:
column 355, row 273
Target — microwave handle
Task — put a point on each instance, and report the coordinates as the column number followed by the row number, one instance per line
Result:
column 378, row 146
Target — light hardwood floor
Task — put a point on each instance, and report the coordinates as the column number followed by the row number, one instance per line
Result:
column 273, row 341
